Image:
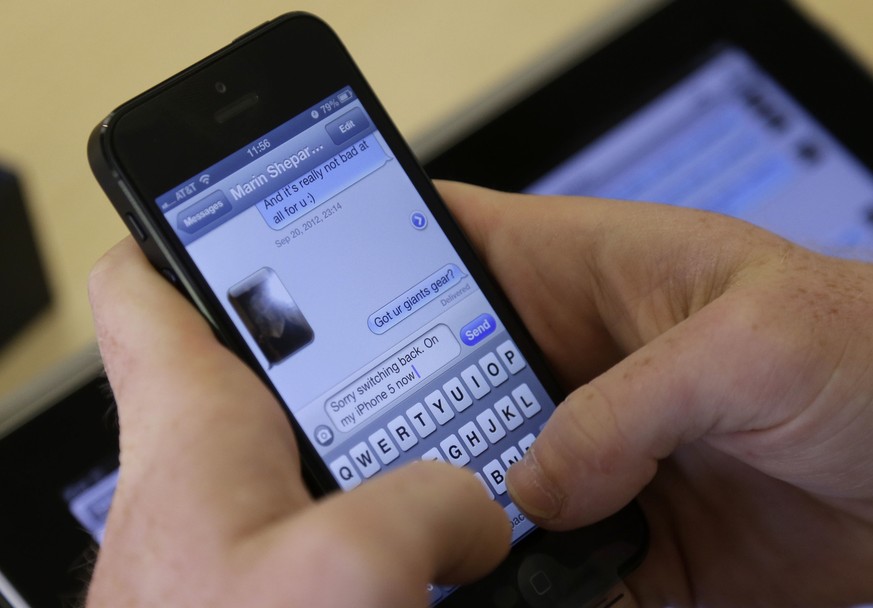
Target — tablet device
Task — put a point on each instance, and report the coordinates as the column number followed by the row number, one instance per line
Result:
column 57, row 474
column 736, row 106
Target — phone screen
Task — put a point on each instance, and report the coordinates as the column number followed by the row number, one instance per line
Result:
column 356, row 304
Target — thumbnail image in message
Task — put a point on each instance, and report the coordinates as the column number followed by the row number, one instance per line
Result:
column 271, row 315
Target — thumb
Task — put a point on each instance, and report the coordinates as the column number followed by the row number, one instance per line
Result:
column 707, row 375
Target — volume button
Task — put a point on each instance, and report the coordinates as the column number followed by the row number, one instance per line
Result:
column 133, row 224
column 170, row 276
column 135, row 227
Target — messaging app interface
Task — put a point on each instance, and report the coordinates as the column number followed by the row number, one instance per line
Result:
column 357, row 305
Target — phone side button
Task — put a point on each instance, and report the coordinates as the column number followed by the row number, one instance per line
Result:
column 170, row 276
column 135, row 227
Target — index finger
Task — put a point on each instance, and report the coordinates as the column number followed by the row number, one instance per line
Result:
column 387, row 539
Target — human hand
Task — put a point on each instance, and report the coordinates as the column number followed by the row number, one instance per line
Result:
column 210, row 509
column 720, row 370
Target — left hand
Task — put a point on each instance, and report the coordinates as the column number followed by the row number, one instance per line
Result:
column 210, row 508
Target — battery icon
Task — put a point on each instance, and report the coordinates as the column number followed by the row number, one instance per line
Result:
column 344, row 96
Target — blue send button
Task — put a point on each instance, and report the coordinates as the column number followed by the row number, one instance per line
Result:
column 478, row 329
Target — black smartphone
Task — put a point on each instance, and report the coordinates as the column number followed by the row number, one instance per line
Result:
column 269, row 184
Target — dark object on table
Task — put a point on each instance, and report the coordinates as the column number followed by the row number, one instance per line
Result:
column 22, row 279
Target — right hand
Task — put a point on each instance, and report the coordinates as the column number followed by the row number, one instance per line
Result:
column 721, row 371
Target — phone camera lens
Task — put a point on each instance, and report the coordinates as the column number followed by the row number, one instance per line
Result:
column 221, row 87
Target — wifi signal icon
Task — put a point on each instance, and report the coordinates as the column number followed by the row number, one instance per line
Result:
column 204, row 179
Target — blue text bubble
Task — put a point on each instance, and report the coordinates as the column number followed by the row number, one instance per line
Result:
column 414, row 298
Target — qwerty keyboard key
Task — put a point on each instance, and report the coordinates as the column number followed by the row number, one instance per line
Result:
column 458, row 395
column 510, row 456
column 508, row 413
column 421, row 420
column 454, row 451
column 439, row 407
column 511, row 358
column 401, row 432
column 475, row 382
column 343, row 470
column 384, row 447
column 525, row 442
column 484, row 485
column 489, row 423
column 493, row 370
column 496, row 476
column 526, row 401
column 365, row 459
column 433, row 454
column 473, row 438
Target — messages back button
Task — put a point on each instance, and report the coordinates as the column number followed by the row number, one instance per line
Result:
column 203, row 213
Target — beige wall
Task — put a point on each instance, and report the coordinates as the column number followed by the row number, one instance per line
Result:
column 63, row 65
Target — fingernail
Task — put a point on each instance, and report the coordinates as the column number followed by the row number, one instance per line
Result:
column 530, row 490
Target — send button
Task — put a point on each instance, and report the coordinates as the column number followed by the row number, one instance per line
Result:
column 478, row 329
